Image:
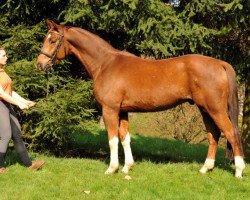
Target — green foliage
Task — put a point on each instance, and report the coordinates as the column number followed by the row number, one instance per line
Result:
column 231, row 20
column 22, row 42
column 27, row 81
column 144, row 27
column 30, row 12
column 60, row 114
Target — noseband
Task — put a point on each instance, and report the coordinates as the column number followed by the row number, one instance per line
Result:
column 53, row 55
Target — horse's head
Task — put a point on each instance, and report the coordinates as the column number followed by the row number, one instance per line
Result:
column 54, row 47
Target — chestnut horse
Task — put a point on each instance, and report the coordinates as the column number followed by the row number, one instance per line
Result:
column 126, row 83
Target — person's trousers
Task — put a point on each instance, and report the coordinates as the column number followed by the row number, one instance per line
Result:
column 11, row 129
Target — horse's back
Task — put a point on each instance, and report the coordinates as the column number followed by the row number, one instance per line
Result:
column 179, row 71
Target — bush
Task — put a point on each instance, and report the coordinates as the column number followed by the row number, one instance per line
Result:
column 57, row 116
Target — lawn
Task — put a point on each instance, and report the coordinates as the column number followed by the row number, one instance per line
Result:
column 164, row 170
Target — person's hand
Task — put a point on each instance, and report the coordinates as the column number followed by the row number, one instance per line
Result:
column 23, row 106
column 30, row 103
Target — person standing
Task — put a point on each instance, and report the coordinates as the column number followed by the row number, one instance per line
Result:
column 9, row 124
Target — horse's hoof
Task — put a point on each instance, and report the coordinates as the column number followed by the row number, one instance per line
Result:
column 238, row 174
column 127, row 167
column 208, row 165
column 204, row 170
column 111, row 170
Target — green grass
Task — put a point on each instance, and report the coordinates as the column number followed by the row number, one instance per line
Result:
column 164, row 169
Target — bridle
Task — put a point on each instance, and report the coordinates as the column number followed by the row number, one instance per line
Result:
column 53, row 55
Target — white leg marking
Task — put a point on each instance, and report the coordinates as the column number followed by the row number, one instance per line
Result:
column 114, row 162
column 208, row 165
column 239, row 165
column 129, row 161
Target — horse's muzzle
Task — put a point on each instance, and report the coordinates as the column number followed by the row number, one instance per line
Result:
column 42, row 67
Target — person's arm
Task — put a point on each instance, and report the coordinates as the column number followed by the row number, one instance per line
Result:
column 21, row 99
column 5, row 96
column 18, row 97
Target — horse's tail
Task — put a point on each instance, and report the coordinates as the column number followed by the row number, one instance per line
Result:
column 232, row 104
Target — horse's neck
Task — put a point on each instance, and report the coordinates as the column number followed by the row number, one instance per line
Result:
column 92, row 51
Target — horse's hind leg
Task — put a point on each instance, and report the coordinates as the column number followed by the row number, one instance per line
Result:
column 223, row 122
column 213, row 134
column 125, row 140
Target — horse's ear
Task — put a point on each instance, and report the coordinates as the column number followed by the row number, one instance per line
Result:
column 51, row 24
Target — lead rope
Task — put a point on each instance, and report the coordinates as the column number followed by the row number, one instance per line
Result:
column 48, row 82
column 47, row 87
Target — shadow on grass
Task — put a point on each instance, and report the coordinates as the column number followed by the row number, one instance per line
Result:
column 94, row 145
column 12, row 157
column 154, row 149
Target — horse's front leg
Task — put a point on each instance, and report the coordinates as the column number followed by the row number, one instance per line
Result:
column 111, row 120
column 125, row 140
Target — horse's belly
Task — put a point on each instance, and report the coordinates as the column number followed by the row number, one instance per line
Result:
column 152, row 102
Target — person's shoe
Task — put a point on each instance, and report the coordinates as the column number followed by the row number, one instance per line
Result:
column 3, row 170
column 37, row 165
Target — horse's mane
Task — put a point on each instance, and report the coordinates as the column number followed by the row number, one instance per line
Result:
column 95, row 37
column 100, row 40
